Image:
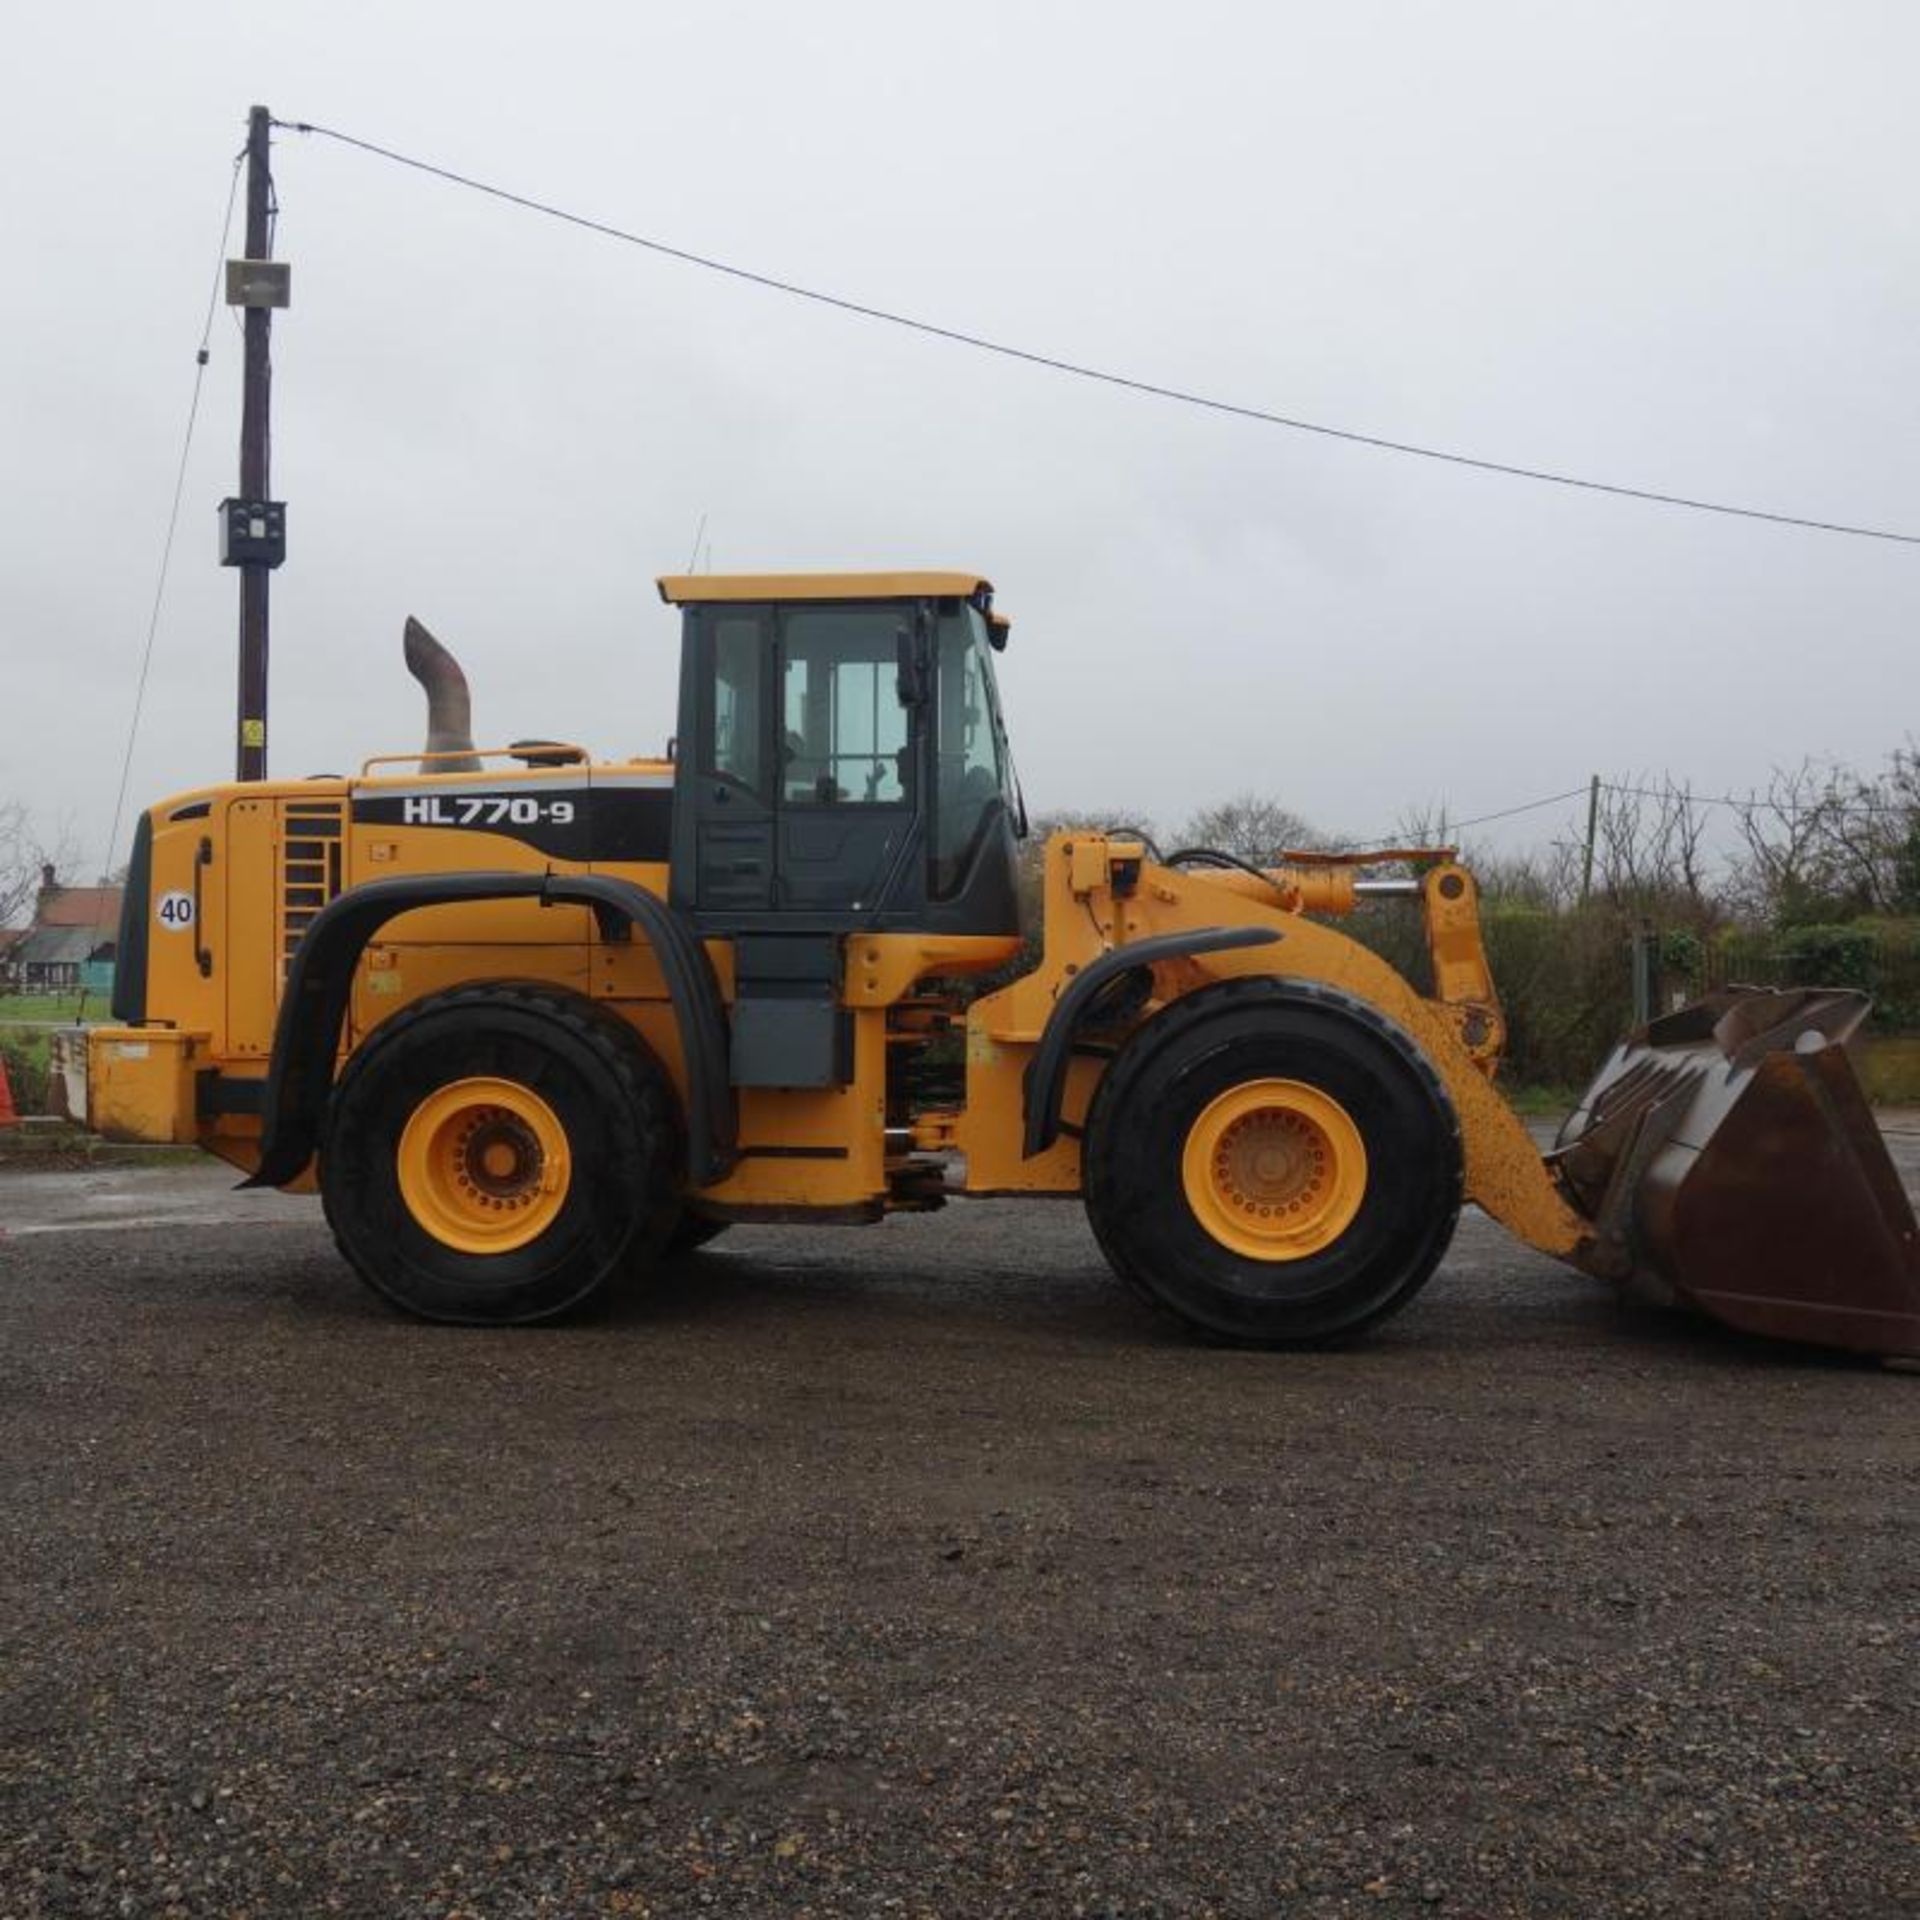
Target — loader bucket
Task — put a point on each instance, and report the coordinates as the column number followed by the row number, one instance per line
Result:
column 1729, row 1162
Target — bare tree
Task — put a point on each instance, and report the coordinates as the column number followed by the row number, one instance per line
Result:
column 1547, row 879
column 1780, row 830
column 1424, row 824
column 1649, row 852
column 1873, row 835
column 23, row 857
column 1826, row 843
column 1252, row 827
column 1903, row 781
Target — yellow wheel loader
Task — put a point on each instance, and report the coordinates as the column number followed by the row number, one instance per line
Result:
column 532, row 1021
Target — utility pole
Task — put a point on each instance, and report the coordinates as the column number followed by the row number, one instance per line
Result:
column 254, row 526
column 1593, row 830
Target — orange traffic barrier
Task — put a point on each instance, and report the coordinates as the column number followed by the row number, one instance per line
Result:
column 9, row 1113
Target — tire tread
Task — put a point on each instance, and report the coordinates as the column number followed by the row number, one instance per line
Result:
column 1165, row 1036
column 618, row 1049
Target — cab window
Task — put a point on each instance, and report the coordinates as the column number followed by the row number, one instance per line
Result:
column 843, row 731
column 971, row 755
column 737, row 735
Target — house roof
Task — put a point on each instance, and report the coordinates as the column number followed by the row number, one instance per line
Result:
column 79, row 907
column 10, row 937
column 60, row 946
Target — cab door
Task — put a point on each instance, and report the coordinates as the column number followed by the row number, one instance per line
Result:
column 847, row 790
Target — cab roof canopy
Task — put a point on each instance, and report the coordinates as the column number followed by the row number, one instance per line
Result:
column 697, row 589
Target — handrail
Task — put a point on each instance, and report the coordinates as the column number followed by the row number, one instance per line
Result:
column 560, row 750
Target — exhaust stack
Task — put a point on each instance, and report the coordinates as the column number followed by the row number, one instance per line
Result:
column 449, row 705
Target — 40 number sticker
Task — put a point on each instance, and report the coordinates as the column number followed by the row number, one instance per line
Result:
column 175, row 911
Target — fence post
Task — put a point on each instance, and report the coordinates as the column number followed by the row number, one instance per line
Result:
column 1646, row 973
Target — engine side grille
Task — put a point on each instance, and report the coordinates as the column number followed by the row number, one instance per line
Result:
column 310, row 841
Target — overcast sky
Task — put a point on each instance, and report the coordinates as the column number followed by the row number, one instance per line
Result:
column 1671, row 245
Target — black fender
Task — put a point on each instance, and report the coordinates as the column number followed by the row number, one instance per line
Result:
column 1045, row 1082
column 313, row 1008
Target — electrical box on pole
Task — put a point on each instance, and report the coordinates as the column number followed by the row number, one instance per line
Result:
column 253, row 533
column 259, row 283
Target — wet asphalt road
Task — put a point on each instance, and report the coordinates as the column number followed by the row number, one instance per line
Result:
column 918, row 1570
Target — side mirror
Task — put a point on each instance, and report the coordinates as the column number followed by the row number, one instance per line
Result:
column 999, row 631
column 910, row 668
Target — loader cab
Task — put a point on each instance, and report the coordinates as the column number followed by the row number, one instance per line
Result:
column 842, row 764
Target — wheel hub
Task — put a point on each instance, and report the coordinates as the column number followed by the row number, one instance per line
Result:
column 483, row 1165
column 500, row 1156
column 1274, row 1169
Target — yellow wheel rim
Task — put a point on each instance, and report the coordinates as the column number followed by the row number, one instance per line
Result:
column 483, row 1165
column 1274, row 1169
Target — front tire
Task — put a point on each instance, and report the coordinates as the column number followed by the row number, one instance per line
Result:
column 1274, row 1163
column 495, row 1155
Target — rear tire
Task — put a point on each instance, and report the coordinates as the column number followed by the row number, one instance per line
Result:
column 496, row 1155
column 1274, row 1163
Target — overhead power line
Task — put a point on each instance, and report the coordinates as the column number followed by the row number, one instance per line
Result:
column 1476, row 820
column 1755, row 803
column 1752, row 804
column 1057, row 364
column 1507, row 813
column 202, row 354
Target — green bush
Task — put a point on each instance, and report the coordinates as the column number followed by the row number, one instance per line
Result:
column 1829, row 956
column 1682, row 954
column 1565, row 980
column 26, row 1064
column 1877, row 956
column 1566, row 985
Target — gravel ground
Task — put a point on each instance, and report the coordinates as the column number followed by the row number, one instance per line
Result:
column 917, row 1570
